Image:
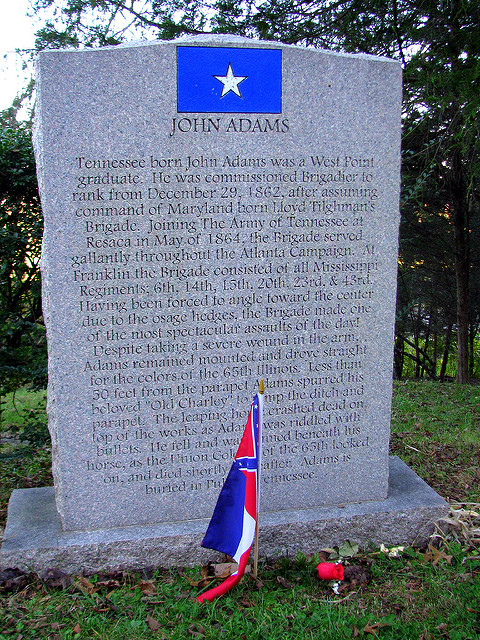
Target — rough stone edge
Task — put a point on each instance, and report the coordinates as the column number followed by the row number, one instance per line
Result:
column 407, row 517
column 224, row 39
column 39, row 152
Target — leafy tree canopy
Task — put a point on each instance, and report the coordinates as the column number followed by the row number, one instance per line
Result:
column 22, row 335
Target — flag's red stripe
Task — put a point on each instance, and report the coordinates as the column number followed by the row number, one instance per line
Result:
column 227, row 584
column 246, row 448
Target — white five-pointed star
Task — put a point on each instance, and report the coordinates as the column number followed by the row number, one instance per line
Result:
column 230, row 82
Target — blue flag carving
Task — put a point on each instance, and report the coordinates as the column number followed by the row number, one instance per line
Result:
column 229, row 80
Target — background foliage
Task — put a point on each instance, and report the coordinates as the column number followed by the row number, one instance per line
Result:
column 22, row 333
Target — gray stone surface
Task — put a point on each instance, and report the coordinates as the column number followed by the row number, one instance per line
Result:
column 186, row 255
column 34, row 538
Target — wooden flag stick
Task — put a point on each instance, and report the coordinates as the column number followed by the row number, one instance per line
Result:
column 255, row 553
column 261, row 391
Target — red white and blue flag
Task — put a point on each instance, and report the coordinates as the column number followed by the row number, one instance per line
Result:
column 232, row 527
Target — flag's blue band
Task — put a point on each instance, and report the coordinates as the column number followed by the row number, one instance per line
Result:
column 250, row 464
column 229, row 80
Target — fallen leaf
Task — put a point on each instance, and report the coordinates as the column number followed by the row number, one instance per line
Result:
column 85, row 586
column 283, row 582
column 202, row 582
column 147, row 587
column 324, row 555
column 196, row 630
column 38, row 623
column 436, row 555
column 13, row 580
column 108, row 584
column 207, row 573
column 105, row 606
column 348, row 549
column 56, row 578
column 76, row 628
column 225, row 569
column 153, row 624
column 371, row 628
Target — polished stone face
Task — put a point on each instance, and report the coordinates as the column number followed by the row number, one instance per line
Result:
column 217, row 211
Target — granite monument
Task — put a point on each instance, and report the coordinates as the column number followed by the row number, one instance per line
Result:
column 218, row 210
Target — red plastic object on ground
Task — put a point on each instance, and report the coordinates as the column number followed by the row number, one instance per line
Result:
column 330, row 571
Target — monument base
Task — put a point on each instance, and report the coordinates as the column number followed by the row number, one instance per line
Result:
column 34, row 539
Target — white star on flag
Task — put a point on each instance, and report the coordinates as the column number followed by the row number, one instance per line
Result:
column 230, row 82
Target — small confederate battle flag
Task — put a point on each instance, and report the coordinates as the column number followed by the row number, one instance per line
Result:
column 232, row 527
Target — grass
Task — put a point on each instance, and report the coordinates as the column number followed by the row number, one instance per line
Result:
column 22, row 465
column 403, row 597
column 426, row 594
column 15, row 405
column 436, row 431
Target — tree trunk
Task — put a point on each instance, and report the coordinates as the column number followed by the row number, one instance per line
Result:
column 471, row 361
column 417, row 341
column 462, row 263
column 425, row 343
column 398, row 357
column 446, row 351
